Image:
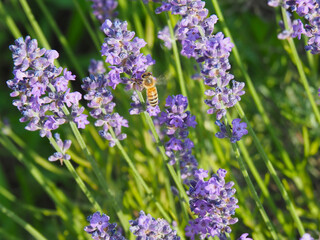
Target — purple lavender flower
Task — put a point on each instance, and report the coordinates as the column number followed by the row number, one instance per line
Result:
column 64, row 146
column 42, row 88
column 195, row 32
column 122, row 51
column 307, row 9
column 164, row 35
column 238, row 130
column 100, row 228
column 100, row 101
column 96, row 67
column 104, row 9
column 244, row 237
column 274, row 3
column 146, row 227
column 213, row 202
column 306, row 236
column 177, row 120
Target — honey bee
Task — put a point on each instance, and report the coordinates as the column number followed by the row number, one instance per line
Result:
column 149, row 83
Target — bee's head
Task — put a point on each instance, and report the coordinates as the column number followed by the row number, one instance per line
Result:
column 146, row 74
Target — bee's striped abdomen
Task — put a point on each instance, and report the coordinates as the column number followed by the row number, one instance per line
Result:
column 152, row 95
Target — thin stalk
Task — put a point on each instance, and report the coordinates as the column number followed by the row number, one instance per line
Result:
column 173, row 173
column 97, row 171
column 299, row 66
column 29, row 228
column 261, row 183
column 138, row 176
column 13, row 199
column 273, row 172
column 253, row 92
column 177, row 58
column 259, row 180
column 34, row 23
column 75, row 175
column 93, row 36
column 10, row 23
column 151, row 14
column 64, row 42
column 59, row 198
column 48, row 186
column 252, row 189
column 37, row 158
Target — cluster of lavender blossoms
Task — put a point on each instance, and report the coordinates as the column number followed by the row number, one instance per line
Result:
column 195, row 32
column 310, row 11
column 177, row 121
column 213, row 202
column 101, row 229
column 42, row 89
column 146, row 227
column 122, row 52
column 238, row 128
column 104, row 9
column 100, row 100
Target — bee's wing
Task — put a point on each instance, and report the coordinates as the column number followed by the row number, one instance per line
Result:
column 163, row 79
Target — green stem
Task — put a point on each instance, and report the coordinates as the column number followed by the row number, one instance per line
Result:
column 13, row 199
column 61, row 38
column 299, row 66
column 138, row 176
column 97, row 171
column 10, row 23
column 250, row 184
column 252, row 89
column 177, row 58
column 253, row 191
column 273, row 172
column 93, row 36
column 59, row 198
column 34, row 23
column 174, row 175
column 47, row 185
column 34, row 232
column 75, row 175
column 37, row 158
column 261, row 183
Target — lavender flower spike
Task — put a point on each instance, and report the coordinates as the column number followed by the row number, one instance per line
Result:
column 96, row 67
column 213, row 202
column 177, row 120
column 104, row 9
column 308, row 10
column 42, row 88
column 122, row 51
column 100, row 228
column 100, row 101
column 146, row 227
column 211, row 51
